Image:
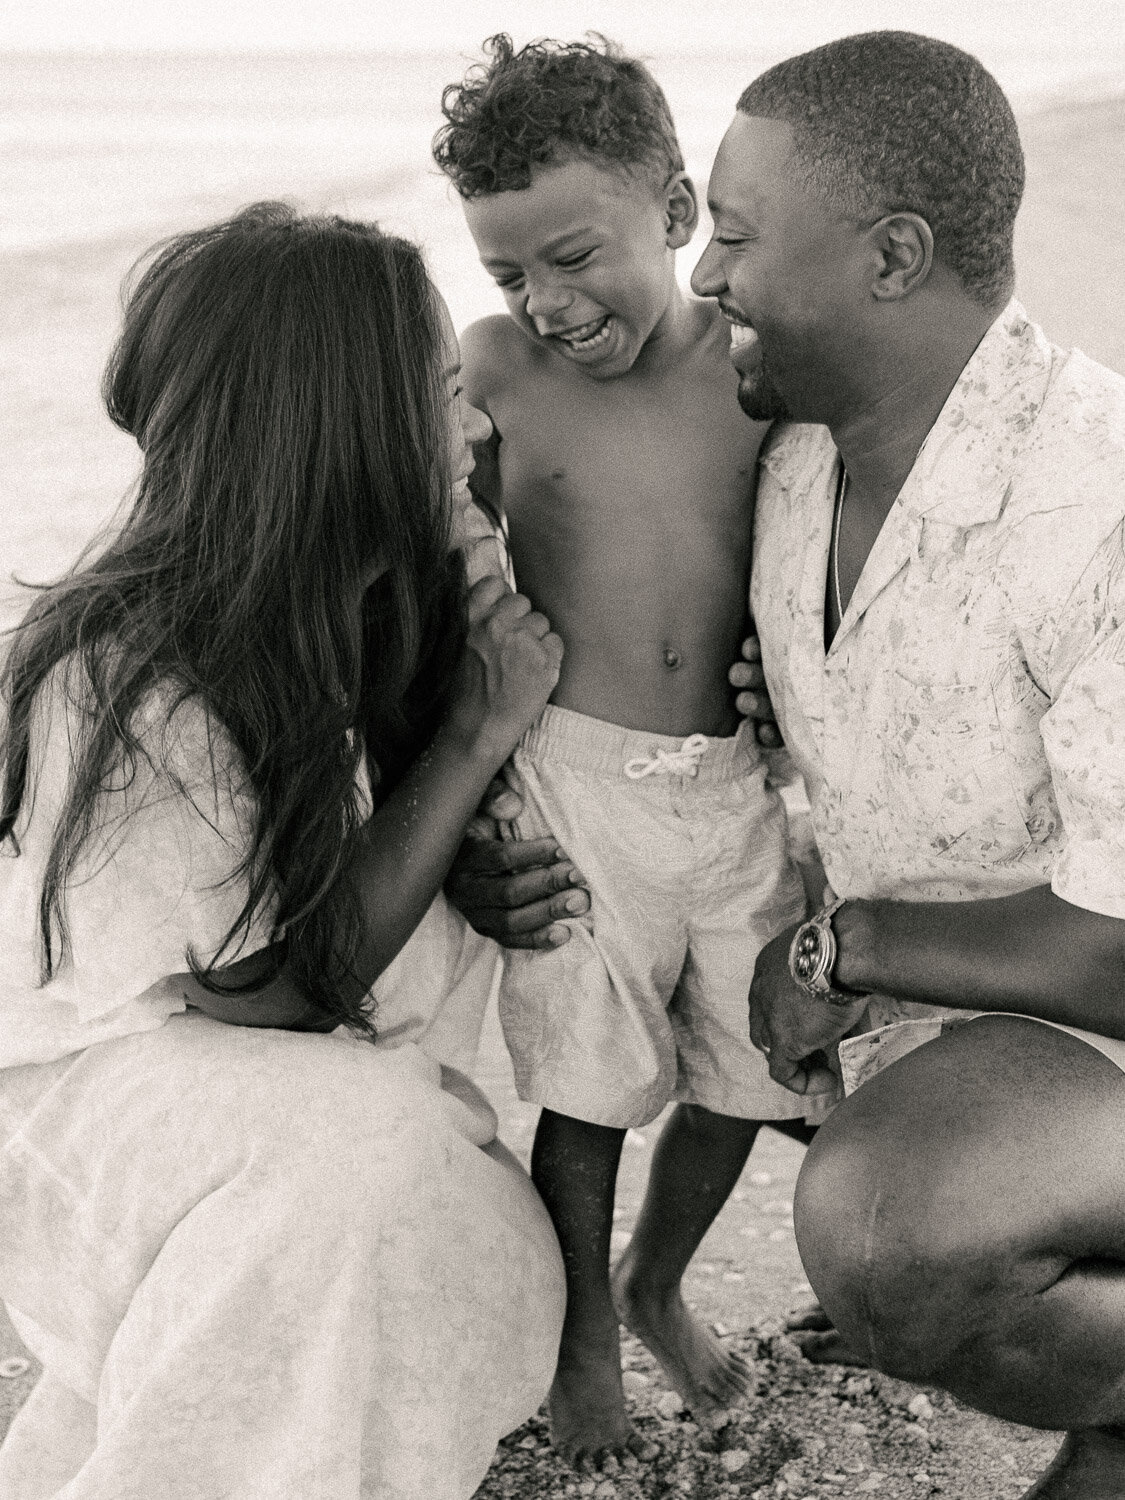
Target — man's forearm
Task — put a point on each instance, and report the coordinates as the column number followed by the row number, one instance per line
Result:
column 1031, row 952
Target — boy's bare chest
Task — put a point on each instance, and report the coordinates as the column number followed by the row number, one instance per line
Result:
column 616, row 465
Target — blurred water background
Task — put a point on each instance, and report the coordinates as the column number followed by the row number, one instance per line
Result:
column 102, row 152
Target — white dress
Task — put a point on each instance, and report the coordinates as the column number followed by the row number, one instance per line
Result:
column 256, row 1264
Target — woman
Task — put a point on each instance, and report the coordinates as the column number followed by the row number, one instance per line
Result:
column 243, row 743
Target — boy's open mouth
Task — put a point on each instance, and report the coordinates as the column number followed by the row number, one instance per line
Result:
column 587, row 337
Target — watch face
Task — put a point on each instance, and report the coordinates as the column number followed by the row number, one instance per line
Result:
column 807, row 956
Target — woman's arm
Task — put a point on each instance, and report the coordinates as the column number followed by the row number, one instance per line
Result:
column 508, row 671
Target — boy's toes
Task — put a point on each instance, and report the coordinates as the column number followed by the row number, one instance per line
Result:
column 730, row 1381
column 596, row 1458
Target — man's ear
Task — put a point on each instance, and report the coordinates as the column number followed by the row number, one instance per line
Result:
column 904, row 254
column 681, row 210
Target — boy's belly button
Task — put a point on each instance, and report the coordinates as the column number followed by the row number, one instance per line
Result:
column 672, row 658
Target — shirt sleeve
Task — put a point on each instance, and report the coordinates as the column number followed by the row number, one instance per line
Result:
column 158, row 880
column 1084, row 735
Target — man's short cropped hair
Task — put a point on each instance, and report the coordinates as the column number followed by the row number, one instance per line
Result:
column 889, row 121
column 549, row 103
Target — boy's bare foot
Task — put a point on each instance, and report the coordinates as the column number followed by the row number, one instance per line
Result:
column 587, row 1405
column 708, row 1376
column 1090, row 1465
column 818, row 1340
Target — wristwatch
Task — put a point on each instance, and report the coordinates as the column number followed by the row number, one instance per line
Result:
column 812, row 957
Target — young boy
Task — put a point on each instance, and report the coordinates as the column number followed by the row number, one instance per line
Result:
column 625, row 471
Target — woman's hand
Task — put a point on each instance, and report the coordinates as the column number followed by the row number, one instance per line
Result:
column 753, row 700
column 508, row 670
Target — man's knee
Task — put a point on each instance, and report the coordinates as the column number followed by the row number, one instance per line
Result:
column 887, row 1265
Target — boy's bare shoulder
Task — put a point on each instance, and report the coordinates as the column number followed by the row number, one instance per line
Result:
column 492, row 350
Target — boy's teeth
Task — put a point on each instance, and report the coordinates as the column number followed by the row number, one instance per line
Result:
column 587, row 336
column 740, row 334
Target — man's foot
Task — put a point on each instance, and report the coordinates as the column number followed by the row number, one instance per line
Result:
column 1090, row 1465
column 708, row 1376
column 819, row 1341
column 587, row 1405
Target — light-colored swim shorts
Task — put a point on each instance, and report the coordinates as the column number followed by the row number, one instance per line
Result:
column 685, row 850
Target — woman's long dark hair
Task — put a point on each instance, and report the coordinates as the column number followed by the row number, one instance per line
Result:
column 283, row 378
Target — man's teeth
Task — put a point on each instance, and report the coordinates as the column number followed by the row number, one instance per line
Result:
column 589, row 336
column 740, row 334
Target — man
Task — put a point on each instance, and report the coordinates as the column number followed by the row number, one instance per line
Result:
column 939, row 588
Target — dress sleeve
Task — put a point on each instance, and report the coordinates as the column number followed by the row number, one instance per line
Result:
column 158, row 880
column 1084, row 735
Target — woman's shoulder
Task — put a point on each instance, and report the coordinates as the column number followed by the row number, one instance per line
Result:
column 170, row 741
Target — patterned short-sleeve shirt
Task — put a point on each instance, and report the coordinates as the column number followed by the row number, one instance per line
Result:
column 964, row 736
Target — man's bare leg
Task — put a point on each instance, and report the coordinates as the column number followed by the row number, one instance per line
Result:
column 962, row 1218
column 695, row 1165
column 809, row 1324
column 574, row 1166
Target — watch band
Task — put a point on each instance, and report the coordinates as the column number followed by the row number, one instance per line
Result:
column 812, row 958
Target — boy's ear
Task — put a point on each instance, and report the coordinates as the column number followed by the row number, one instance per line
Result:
column 681, row 210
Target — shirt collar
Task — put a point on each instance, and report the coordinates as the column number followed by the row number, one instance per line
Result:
column 962, row 474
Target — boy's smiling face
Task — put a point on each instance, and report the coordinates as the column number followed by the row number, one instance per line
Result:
column 585, row 258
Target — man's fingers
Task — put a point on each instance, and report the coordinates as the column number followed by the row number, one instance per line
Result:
column 499, row 801
column 768, row 735
column 746, row 674
column 546, row 937
column 821, row 1080
column 786, row 1071
column 751, row 649
column 806, row 1077
column 503, row 799
column 493, row 856
column 540, row 924
column 508, row 892
column 759, row 1034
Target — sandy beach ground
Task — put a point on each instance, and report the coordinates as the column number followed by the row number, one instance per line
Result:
column 805, row 1432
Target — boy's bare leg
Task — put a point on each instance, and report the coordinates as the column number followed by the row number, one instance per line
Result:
column 695, row 1165
column 574, row 1166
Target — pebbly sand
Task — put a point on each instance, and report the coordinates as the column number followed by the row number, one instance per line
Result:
column 805, row 1431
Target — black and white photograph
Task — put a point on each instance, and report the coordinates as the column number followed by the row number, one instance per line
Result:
column 562, row 750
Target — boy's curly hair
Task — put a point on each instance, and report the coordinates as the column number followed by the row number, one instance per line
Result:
column 547, row 103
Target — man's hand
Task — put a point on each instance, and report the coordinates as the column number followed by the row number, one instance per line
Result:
column 517, row 891
column 753, row 699
column 790, row 1026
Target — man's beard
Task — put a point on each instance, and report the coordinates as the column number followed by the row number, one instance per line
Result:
column 759, row 398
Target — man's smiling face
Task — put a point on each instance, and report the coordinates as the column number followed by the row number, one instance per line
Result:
column 583, row 259
column 790, row 272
